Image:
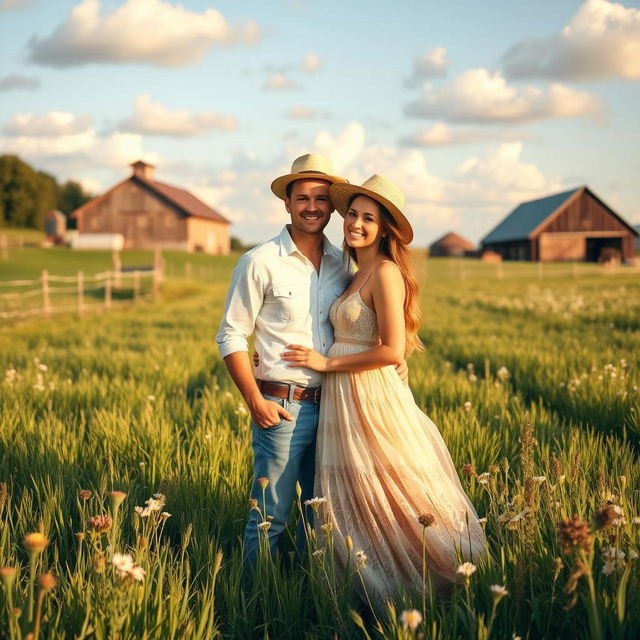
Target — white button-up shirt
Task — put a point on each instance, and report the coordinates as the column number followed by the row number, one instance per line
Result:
column 276, row 292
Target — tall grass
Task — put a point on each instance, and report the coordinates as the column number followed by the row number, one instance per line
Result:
column 516, row 373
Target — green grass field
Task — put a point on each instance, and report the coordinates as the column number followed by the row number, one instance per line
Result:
column 138, row 401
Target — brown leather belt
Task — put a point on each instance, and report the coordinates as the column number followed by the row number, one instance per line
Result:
column 290, row 391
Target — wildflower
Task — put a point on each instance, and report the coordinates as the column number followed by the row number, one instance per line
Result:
column 467, row 406
column 165, row 515
column 349, row 542
column 467, row 569
column 502, row 373
column 473, row 377
column 207, row 436
column 85, row 494
column 410, row 619
column 484, row 478
column 265, row 525
column 318, row 553
column 574, row 534
column 633, row 554
column 241, row 410
column 35, row 542
column 426, row 519
column 8, row 575
column 79, row 536
column 469, row 469
column 494, row 468
column 117, row 497
column 326, row 527
column 499, row 591
column 263, row 482
column 608, row 567
column 42, row 366
column 153, row 504
column 151, row 398
column 315, row 503
column 538, row 479
column 361, row 557
column 253, row 503
column 125, row 569
column 101, row 523
column 482, row 521
column 607, row 516
column 47, row 581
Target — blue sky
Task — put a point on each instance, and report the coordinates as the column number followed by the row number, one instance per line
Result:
column 470, row 107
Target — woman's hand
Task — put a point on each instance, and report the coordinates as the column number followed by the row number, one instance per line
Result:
column 300, row 356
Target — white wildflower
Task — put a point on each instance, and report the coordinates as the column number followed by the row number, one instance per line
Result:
column 538, row 479
column 502, row 373
column 151, row 398
column 315, row 502
column 410, row 619
column 482, row 521
column 318, row 553
column 484, row 478
column 361, row 557
column 473, row 377
column 265, row 525
column 499, row 591
column 467, row 406
column 466, row 569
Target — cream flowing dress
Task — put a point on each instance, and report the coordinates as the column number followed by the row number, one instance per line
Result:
column 382, row 463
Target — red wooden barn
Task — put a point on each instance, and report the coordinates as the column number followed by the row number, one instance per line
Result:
column 452, row 244
column 573, row 225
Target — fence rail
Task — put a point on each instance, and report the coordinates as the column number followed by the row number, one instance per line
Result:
column 99, row 287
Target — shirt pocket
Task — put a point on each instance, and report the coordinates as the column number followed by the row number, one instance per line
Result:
column 290, row 303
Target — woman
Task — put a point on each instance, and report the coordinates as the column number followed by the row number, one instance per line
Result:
column 380, row 461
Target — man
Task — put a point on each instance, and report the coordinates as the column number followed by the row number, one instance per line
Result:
column 283, row 290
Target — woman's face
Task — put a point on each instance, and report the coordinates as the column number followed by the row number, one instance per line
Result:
column 363, row 223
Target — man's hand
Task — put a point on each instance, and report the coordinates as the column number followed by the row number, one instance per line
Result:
column 266, row 413
column 403, row 372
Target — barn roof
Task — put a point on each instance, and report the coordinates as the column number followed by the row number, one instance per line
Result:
column 452, row 239
column 183, row 199
column 527, row 216
column 180, row 199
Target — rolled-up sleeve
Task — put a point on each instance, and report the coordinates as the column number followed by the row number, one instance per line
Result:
column 244, row 301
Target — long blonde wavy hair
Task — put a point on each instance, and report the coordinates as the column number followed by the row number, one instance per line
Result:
column 393, row 248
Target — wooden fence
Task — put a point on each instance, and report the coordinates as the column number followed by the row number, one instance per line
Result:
column 80, row 293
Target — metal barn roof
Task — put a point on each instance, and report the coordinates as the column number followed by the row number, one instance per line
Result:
column 526, row 217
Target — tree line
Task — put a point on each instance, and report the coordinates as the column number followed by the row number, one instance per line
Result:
column 27, row 195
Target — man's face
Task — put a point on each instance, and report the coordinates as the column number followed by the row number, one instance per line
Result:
column 309, row 205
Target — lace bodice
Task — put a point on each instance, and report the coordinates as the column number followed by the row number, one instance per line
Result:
column 353, row 321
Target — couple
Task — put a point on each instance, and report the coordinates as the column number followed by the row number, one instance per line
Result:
column 328, row 407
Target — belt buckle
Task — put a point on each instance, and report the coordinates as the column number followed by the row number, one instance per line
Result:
column 316, row 395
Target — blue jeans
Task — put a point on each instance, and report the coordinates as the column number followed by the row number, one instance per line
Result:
column 285, row 454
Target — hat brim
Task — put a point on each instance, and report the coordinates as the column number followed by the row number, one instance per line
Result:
column 342, row 194
column 279, row 185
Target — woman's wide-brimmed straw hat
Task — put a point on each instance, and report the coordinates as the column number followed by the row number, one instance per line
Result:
column 380, row 189
column 308, row 166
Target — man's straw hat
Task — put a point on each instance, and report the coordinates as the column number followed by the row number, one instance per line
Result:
column 381, row 190
column 308, row 166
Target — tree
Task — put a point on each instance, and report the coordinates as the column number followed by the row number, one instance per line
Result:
column 26, row 195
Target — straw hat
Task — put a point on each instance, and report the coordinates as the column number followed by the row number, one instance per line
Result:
column 308, row 166
column 381, row 190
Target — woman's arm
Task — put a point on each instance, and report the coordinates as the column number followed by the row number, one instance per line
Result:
column 388, row 294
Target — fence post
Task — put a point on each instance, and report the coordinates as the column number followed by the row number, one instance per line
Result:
column 116, row 267
column 136, row 285
column 107, row 291
column 46, row 304
column 156, row 283
column 80, row 283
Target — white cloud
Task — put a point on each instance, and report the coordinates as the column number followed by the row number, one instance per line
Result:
column 441, row 135
column 311, row 63
column 150, row 31
column 279, row 82
column 16, row 81
column 482, row 96
column 298, row 112
column 430, row 65
column 601, row 41
column 156, row 119
column 55, row 124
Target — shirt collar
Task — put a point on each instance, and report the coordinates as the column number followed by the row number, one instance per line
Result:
column 288, row 246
